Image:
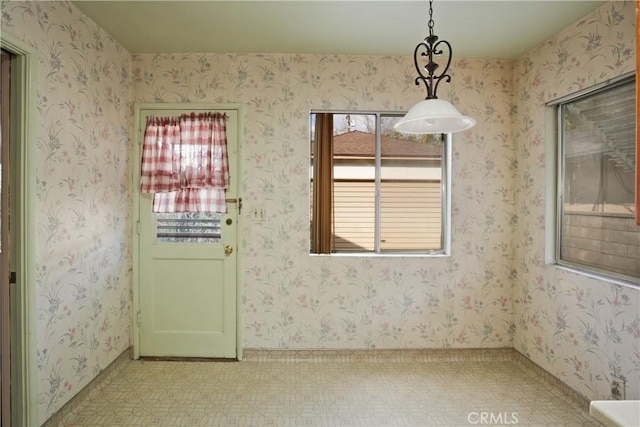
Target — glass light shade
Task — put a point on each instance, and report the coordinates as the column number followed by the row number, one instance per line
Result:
column 433, row 116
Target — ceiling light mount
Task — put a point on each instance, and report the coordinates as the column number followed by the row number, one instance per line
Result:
column 430, row 47
column 432, row 115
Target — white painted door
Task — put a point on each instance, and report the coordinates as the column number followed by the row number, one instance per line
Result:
column 187, row 271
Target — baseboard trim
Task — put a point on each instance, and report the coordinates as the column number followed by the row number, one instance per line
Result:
column 379, row 356
column 68, row 410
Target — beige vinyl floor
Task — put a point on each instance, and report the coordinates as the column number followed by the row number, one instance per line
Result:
column 333, row 391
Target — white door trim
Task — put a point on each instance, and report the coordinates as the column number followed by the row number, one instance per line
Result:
column 138, row 137
column 24, row 386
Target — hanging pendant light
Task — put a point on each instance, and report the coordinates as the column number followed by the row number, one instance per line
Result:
column 432, row 115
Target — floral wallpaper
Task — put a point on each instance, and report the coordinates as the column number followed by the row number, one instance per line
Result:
column 293, row 300
column 82, row 196
column 582, row 330
column 494, row 291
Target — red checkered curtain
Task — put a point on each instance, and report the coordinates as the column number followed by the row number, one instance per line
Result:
column 185, row 163
column 160, row 171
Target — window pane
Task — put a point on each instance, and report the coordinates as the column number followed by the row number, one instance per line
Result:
column 354, row 145
column 410, row 191
column 188, row 227
column 598, row 228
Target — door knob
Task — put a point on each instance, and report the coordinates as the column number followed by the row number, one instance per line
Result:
column 228, row 250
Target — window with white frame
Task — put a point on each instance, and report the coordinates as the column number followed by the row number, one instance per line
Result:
column 374, row 190
column 596, row 230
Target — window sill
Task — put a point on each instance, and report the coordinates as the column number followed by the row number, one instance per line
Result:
column 627, row 282
column 383, row 255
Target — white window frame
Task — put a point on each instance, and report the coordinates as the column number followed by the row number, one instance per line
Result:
column 445, row 249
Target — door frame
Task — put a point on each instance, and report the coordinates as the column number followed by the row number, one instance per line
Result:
column 138, row 137
column 24, row 403
column 5, row 262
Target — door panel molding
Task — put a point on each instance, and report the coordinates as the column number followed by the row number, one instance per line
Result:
column 163, row 109
column 23, row 318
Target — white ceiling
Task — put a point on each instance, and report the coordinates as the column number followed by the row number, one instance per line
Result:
column 475, row 28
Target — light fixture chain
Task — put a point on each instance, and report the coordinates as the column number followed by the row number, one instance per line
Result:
column 431, row 23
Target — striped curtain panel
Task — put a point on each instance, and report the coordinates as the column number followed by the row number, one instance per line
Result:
column 185, row 163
